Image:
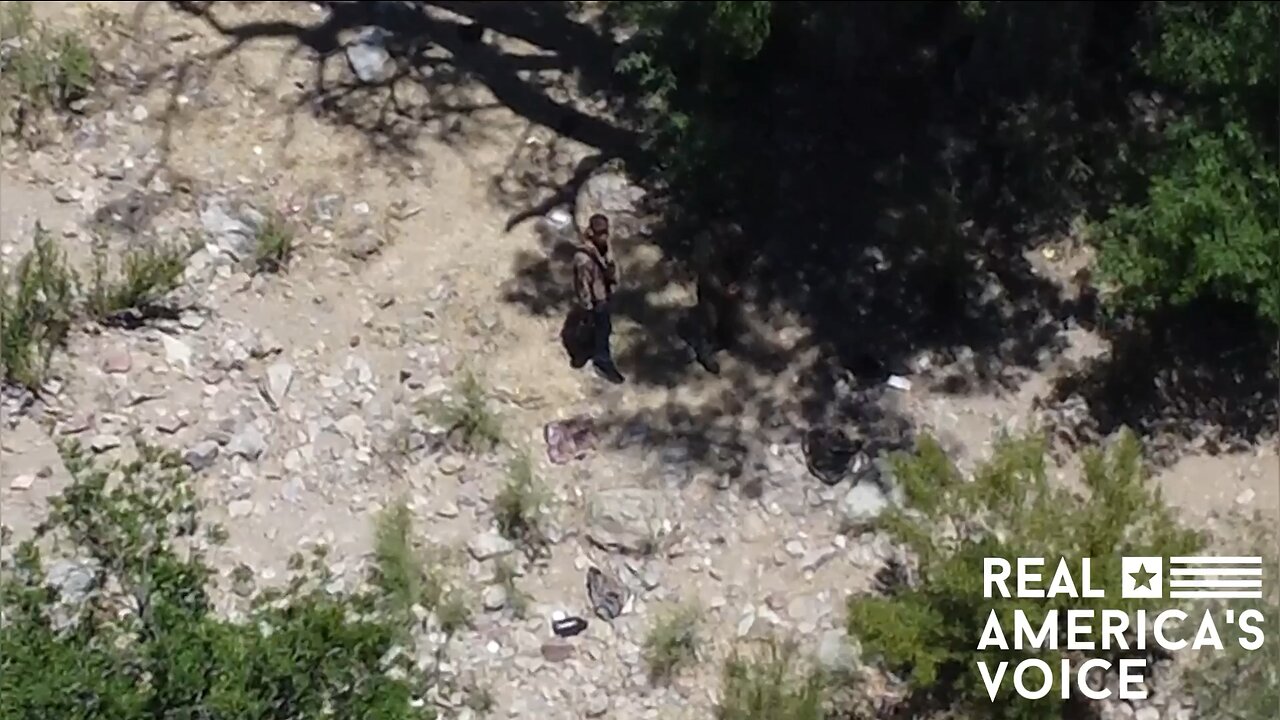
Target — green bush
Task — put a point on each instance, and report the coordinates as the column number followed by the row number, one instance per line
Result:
column 274, row 248
column 518, row 506
column 1239, row 684
column 43, row 69
column 472, row 426
column 771, row 685
column 147, row 273
column 408, row 577
column 36, row 311
column 673, row 641
column 930, row 630
column 145, row 641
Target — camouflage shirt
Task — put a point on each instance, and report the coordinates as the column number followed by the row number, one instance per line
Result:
column 594, row 276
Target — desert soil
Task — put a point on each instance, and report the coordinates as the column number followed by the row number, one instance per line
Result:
column 190, row 120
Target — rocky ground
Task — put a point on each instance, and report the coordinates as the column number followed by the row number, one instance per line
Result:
column 296, row 397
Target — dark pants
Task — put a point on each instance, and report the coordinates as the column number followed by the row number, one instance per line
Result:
column 602, row 329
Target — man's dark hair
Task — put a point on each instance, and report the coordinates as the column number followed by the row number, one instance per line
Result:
column 598, row 223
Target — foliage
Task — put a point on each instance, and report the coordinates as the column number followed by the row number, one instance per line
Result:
column 40, row 69
column 1191, row 213
column 36, row 311
column 472, row 426
column 274, row 247
column 145, row 639
column 1208, row 220
column 146, row 274
column 1238, row 684
column 673, row 641
column 408, row 578
column 505, row 574
column 770, row 685
column 1010, row 509
column 518, row 506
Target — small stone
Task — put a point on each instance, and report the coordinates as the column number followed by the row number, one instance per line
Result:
column 104, row 442
column 191, row 320
column 353, row 428
column 201, row 455
column 557, row 650
column 490, row 545
column 176, row 352
column 597, row 704
column 836, row 652
column 279, row 378
column 795, row 549
column 117, row 361
column 451, row 465
column 818, row 558
column 248, row 444
column 448, row 510
column 140, row 113
column 240, row 508
column 22, row 482
column 170, row 424
column 1245, row 497
column 494, row 598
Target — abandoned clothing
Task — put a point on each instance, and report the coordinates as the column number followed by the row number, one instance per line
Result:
column 594, row 276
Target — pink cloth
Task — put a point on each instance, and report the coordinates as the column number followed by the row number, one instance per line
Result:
column 571, row 439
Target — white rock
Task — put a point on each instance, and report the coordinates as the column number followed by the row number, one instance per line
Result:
column 22, row 482
column 240, row 508
column 279, row 379
column 248, row 443
column 448, row 510
column 863, row 505
column 104, row 442
column 490, row 545
column 897, row 382
column 494, row 598
column 369, row 57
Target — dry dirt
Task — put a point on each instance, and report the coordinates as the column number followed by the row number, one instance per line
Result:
column 219, row 120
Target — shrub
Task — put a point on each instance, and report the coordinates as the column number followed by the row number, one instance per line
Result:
column 36, row 311
column 407, row 577
column 770, row 685
column 673, row 641
column 146, row 274
column 517, row 600
column 518, row 506
column 931, row 628
column 41, row 70
column 472, row 426
column 274, row 246
column 144, row 639
column 1237, row 684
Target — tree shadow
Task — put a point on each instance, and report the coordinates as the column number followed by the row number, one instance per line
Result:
column 892, row 167
column 1203, row 377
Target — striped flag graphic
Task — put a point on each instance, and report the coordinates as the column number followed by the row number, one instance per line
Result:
column 1224, row 578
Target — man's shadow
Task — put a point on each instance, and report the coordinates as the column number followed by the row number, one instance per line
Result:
column 577, row 336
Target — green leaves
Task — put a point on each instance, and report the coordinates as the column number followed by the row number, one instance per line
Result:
column 929, row 631
column 147, row 641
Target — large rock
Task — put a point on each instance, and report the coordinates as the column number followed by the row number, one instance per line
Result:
column 837, row 653
column 863, row 506
column 609, row 192
column 369, row 58
column 629, row 520
column 490, row 545
column 232, row 232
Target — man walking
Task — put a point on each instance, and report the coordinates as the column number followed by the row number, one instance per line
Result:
column 595, row 277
